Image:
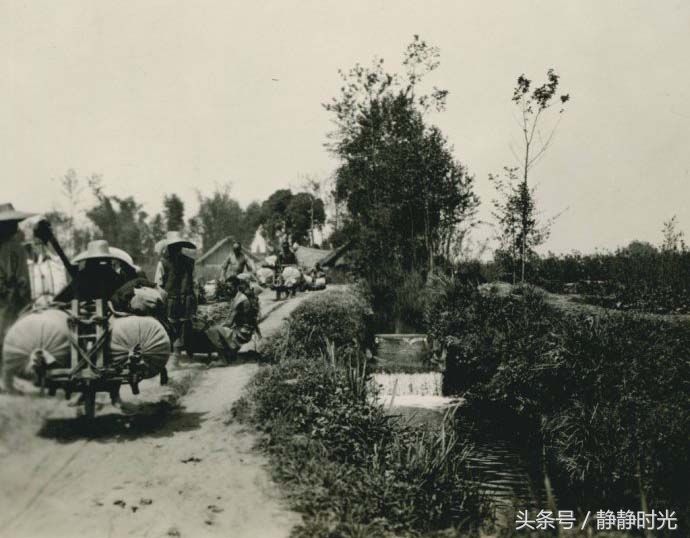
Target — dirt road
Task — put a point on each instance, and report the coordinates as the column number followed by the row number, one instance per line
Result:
column 172, row 466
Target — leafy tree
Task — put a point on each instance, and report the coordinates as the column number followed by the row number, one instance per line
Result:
column 72, row 238
column 638, row 248
column 72, row 189
column 157, row 227
column 173, row 208
column 304, row 212
column 68, row 223
column 275, row 218
column 673, row 237
column 314, row 187
column 519, row 229
column 335, row 208
column 285, row 215
column 516, row 213
column 252, row 218
column 405, row 192
column 220, row 216
column 120, row 221
column 194, row 230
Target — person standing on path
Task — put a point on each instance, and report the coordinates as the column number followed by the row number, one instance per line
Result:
column 15, row 283
column 175, row 276
column 286, row 255
column 236, row 263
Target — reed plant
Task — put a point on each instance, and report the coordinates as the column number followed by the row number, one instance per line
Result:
column 606, row 394
column 350, row 467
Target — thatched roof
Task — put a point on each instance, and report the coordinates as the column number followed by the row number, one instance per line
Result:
column 220, row 244
column 334, row 255
column 309, row 257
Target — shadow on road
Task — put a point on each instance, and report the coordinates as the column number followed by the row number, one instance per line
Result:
column 151, row 419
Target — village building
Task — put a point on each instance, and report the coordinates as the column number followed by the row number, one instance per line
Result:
column 210, row 263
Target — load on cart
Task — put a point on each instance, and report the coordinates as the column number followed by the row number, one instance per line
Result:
column 105, row 329
column 288, row 277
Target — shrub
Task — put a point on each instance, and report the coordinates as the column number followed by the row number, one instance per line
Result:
column 607, row 393
column 349, row 464
column 351, row 468
column 627, row 279
column 341, row 317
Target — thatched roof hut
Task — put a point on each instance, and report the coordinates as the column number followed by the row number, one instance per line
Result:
column 209, row 264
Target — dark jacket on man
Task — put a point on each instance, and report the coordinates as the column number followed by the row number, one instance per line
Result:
column 177, row 280
column 15, row 286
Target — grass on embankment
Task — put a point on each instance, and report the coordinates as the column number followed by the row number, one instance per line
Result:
column 350, row 468
column 606, row 393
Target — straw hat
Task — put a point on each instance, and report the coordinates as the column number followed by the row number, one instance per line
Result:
column 173, row 237
column 7, row 213
column 101, row 250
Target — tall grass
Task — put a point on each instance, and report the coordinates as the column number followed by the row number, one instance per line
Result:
column 650, row 281
column 606, row 394
column 351, row 468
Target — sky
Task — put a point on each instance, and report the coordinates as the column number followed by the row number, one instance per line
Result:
column 169, row 96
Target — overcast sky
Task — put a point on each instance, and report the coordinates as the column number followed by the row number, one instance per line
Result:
column 162, row 96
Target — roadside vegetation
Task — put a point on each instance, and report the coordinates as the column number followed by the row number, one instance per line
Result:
column 605, row 396
column 640, row 278
column 351, row 468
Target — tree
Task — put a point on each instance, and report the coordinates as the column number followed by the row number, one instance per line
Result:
column 335, row 208
column 638, row 248
column 220, row 216
column 673, row 237
column 405, row 192
column 120, row 221
column 194, row 230
column 157, row 227
column 252, row 218
column 313, row 186
column 68, row 223
column 173, row 209
column 275, row 218
column 304, row 212
column 71, row 190
column 533, row 107
column 289, row 216
column 72, row 238
column 515, row 212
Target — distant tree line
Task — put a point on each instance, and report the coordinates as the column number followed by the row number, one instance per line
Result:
column 124, row 223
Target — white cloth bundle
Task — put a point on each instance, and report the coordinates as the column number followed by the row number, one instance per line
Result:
column 45, row 331
column 143, row 335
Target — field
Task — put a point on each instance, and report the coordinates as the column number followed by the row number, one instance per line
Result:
column 603, row 394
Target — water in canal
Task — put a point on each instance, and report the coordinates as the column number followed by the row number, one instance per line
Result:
column 506, row 468
column 411, row 385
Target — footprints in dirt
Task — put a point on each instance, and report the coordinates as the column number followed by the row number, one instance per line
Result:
column 209, row 514
column 211, row 511
column 133, row 507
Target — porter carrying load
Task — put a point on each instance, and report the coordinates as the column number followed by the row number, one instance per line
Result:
column 83, row 344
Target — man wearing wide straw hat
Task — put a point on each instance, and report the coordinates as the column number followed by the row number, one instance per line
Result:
column 15, row 285
column 103, row 270
column 175, row 275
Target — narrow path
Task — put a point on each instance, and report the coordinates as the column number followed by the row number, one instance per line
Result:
column 175, row 467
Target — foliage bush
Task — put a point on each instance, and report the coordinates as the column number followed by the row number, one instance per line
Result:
column 608, row 394
column 350, row 465
column 644, row 280
column 398, row 299
column 341, row 317
column 352, row 469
